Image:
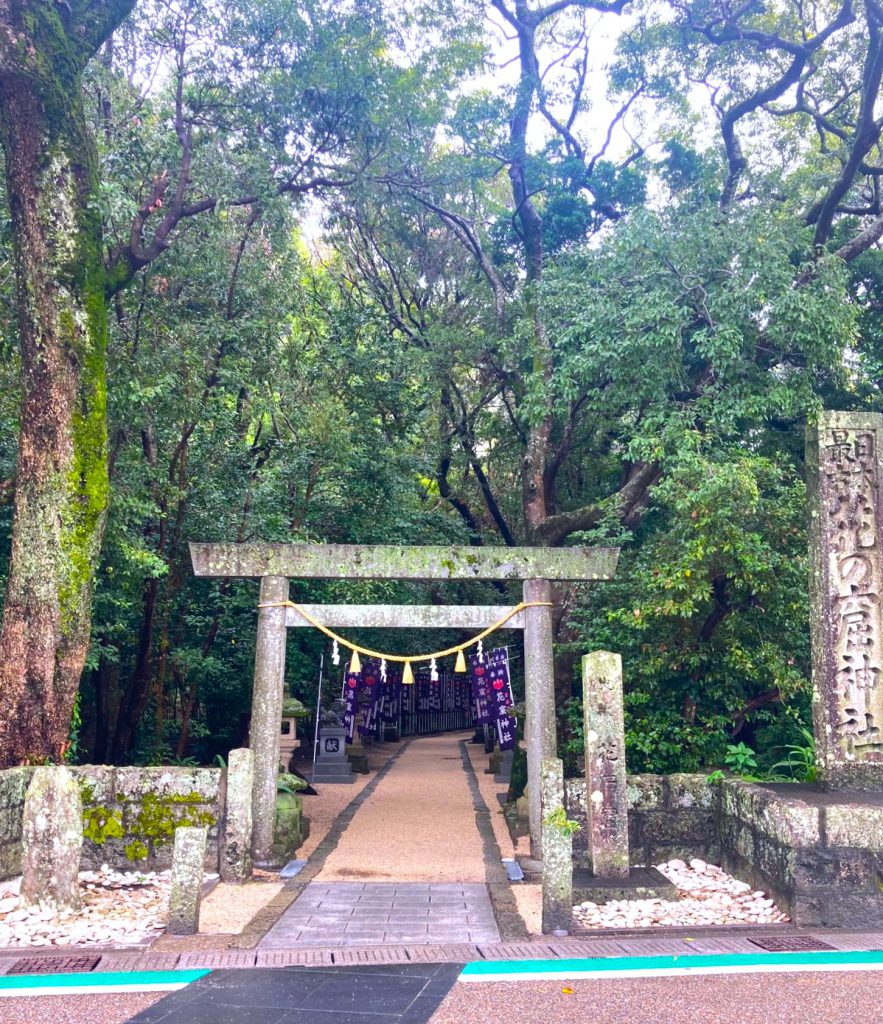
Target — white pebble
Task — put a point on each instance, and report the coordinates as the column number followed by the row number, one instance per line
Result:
column 709, row 896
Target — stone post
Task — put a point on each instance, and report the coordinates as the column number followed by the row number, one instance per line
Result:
column 266, row 713
column 539, row 685
column 52, row 839
column 606, row 797
column 844, row 473
column 236, row 836
column 188, row 858
column 557, row 851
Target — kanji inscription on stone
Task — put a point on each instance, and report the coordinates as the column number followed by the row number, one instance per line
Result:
column 843, row 458
column 606, row 796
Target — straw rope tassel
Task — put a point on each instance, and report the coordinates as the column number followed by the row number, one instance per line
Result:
column 407, row 675
column 460, row 664
column 355, row 664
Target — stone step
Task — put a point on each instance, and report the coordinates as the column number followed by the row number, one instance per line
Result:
column 334, row 774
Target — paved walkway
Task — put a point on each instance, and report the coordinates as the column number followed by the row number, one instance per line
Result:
column 340, row 914
column 409, row 868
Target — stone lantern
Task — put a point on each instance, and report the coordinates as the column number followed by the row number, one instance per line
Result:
column 292, row 710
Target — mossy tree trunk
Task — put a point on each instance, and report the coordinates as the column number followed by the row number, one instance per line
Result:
column 61, row 495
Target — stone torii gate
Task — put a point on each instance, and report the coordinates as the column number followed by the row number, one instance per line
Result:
column 276, row 564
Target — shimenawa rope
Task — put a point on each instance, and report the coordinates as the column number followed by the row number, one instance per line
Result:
column 406, row 659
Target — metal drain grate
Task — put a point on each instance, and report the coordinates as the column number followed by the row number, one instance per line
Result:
column 53, row 964
column 791, row 944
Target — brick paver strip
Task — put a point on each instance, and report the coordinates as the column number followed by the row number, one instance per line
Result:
column 855, row 941
column 443, row 954
column 373, row 955
column 292, row 958
column 119, row 962
column 712, row 945
column 457, row 952
column 516, row 951
column 156, row 962
column 600, row 947
column 654, row 947
column 217, row 960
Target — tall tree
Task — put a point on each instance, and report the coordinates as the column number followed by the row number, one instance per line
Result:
column 255, row 101
column 61, row 493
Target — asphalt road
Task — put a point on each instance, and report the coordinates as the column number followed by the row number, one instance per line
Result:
column 810, row 998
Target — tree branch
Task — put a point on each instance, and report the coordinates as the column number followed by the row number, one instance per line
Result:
column 628, row 503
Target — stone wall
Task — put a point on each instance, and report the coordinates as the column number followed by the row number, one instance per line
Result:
column 669, row 816
column 820, row 854
column 144, row 804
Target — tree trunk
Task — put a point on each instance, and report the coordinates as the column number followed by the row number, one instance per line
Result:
column 104, row 679
column 61, row 494
column 138, row 691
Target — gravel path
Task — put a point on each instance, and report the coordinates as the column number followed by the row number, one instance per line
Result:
column 323, row 809
column 228, row 908
column 417, row 826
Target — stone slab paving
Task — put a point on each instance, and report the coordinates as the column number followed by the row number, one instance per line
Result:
column 364, row 994
column 340, row 914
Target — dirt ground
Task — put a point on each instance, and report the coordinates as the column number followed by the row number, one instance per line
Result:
column 323, row 809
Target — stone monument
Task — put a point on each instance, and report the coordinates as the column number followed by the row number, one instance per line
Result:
column 185, row 898
column 235, row 858
column 843, row 454
column 332, row 765
column 611, row 876
column 557, row 918
column 606, row 796
column 52, row 840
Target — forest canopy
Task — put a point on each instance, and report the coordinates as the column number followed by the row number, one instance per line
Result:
column 469, row 272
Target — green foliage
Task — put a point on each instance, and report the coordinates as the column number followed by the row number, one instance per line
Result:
column 73, row 747
column 290, row 784
column 558, row 819
column 370, row 368
column 740, row 759
column 799, row 763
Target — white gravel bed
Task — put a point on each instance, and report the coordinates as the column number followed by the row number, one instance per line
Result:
column 118, row 908
column 709, row 896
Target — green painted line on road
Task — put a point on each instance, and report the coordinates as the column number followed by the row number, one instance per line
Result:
column 660, row 966
column 102, row 982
